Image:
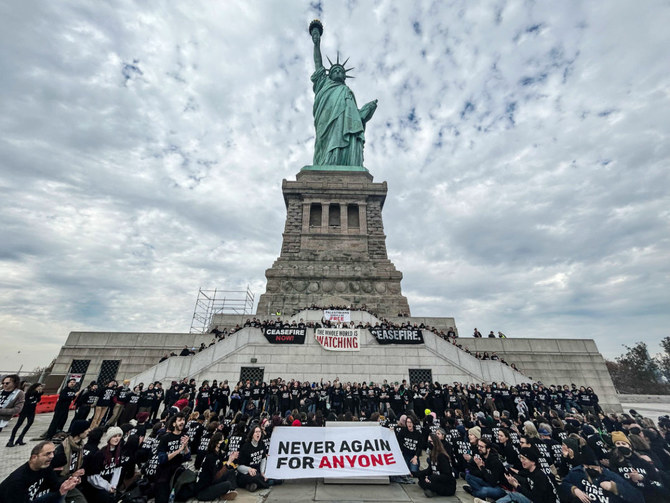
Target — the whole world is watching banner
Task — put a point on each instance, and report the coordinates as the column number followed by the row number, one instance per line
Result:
column 357, row 451
column 338, row 339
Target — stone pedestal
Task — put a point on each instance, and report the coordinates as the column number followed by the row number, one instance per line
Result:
column 334, row 246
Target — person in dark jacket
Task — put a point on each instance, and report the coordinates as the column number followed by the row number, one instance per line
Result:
column 487, row 473
column 438, row 478
column 65, row 397
column 534, row 486
column 587, row 483
column 644, row 476
column 33, row 397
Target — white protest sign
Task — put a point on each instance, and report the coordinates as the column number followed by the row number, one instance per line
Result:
column 313, row 452
column 337, row 315
column 338, row 339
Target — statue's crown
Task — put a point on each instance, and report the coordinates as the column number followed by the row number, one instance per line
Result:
column 341, row 65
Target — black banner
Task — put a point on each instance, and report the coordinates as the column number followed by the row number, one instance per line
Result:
column 284, row 335
column 397, row 335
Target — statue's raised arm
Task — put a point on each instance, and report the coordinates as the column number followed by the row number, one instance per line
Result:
column 316, row 29
column 338, row 122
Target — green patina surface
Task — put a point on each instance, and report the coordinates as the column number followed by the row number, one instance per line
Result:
column 339, row 123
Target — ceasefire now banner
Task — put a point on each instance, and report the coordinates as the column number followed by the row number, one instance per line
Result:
column 357, row 451
column 288, row 335
column 338, row 339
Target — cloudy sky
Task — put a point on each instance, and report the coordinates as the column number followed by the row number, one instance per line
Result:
column 525, row 146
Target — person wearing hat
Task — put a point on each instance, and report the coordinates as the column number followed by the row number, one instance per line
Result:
column 637, row 470
column 590, row 482
column 103, row 470
column 534, row 486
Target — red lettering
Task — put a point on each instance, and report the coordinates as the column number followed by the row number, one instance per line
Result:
column 388, row 459
column 363, row 460
column 351, row 459
column 324, row 463
column 338, row 462
column 376, row 459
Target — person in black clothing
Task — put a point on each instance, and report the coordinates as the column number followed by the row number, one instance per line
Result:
column 86, row 399
column 159, row 394
column 105, row 396
column 534, row 486
column 487, row 473
column 33, row 397
column 65, row 397
column 216, row 478
column 172, row 452
column 103, row 469
column 253, row 451
column 409, row 441
column 35, row 481
column 438, row 478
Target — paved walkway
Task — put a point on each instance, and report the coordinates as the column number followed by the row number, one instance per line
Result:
column 309, row 490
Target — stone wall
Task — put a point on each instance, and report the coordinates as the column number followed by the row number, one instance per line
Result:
column 323, row 257
column 552, row 361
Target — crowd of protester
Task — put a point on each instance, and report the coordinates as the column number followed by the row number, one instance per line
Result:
column 524, row 443
column 449, row 335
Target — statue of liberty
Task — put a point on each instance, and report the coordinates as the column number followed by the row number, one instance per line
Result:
column 339, row 123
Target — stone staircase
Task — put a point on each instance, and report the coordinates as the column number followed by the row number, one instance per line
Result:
column 248, row 344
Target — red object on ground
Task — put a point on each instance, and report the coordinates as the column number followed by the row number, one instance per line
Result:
column 46, row 404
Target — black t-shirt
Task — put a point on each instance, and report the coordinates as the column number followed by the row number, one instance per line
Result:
column 210, row 466
column 66, row 396
column 168, row 444
column 123, row 395
column 31, row 402
column 409, row 442
column 252, row 456
column 106, row 395
column 25, row 485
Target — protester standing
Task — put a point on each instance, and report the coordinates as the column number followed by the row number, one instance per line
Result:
column 65, row 397
column 11, row 399
column 32, row 398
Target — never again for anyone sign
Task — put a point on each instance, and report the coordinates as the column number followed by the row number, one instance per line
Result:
column 358, row 451
column 338, row 339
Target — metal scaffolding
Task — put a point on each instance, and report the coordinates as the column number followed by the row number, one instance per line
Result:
column 211, row 302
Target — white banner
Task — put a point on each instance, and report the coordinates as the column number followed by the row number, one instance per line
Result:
column 337, row 315
column 338, row 339
column 313, row 452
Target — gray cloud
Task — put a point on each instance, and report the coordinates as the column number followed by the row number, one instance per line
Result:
column 525, row 148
